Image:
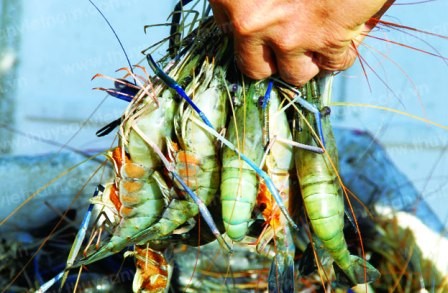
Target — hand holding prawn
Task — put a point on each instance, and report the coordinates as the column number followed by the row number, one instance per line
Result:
column 296, row 39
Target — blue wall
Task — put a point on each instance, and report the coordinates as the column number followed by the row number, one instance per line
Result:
column 63, row 45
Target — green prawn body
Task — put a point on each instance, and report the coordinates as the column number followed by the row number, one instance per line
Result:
column 239, row 182
column 323, row 197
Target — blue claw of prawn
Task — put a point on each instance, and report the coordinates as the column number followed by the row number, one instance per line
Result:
column 50, row 283
column 76, row 245
column 175, row 86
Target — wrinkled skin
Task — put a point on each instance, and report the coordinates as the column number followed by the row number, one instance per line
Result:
column 296, row 38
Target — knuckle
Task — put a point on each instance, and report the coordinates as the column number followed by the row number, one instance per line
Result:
column 300, row 77
column 287, row 45
column 341, row 61
column 253, row 69
column 349, row 58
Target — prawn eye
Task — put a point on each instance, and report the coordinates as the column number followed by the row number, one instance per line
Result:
column 234, row 88
column 123, row 84
column 123, row 92
column 325, row 111
column 260, row 101
column 126, row 87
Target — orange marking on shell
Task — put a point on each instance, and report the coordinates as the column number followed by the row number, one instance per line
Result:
column 117, row 156
column 126, row 211
column 187, row 158
column 174, row 146
column 132, row 186
column 129, row 200
column 264, row 198
column 152, row 267
column 187, row 172
column 188, row 167
column 113, row 196
column 134, row 170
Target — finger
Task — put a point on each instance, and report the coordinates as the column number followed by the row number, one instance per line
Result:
column 337, row 62
column 341, row 57
column 296, row 69
column 254, row 58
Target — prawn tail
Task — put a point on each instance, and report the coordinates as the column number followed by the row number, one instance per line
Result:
column 115, row 245
column 176, row 214
column 359, row 272
column 152, row 270
column 281, row 273
column 237, row 199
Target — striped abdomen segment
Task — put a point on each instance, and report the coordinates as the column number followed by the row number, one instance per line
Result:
column 325, row 208
column 239, row 182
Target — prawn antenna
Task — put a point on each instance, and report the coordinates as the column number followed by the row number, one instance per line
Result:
column 116, row 36
column 174, row 44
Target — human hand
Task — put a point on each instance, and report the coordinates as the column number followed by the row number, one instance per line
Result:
column 296, row 38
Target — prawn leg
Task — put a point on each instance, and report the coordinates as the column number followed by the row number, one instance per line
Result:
column 279, row 162
column 322, row 195
column 81, row 235
column 47, row 285
column 76, row 247
column 174, row 85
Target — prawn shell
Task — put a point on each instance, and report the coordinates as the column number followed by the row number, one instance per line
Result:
column 239, row 182
column 133, row 170
column 156, row 124
column 324, row 201
column 196, row 157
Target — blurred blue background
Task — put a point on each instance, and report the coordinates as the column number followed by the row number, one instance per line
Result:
column 51, row 49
